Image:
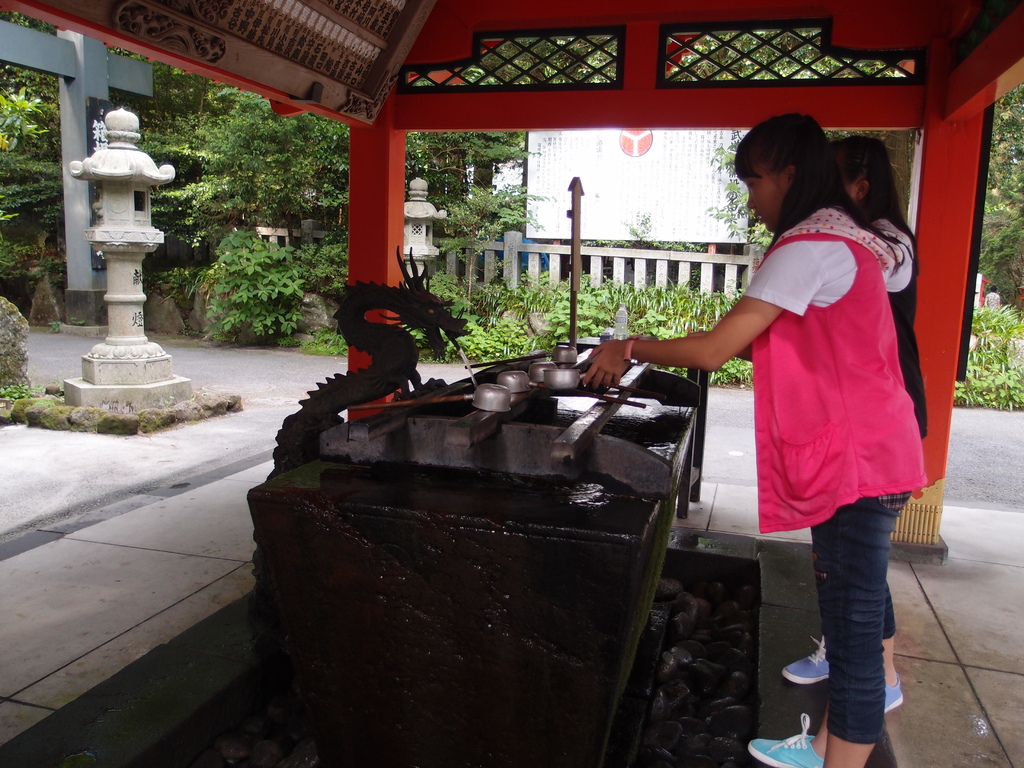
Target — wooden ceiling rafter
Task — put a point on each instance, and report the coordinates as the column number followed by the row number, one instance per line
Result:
column 338, row 58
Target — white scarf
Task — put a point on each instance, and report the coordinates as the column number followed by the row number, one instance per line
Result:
column 835, row 221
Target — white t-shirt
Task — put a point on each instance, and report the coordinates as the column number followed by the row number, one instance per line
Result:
column 804, row 273
column 898, row 279
column 817, row 273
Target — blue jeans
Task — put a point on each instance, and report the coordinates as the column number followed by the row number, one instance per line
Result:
column 851, row 559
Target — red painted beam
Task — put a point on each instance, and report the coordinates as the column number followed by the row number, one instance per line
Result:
column 950, row 164
column 854, row 107
column 376, row 207
column 992, row 70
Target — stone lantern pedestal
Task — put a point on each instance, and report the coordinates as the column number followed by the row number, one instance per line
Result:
column 126, row 372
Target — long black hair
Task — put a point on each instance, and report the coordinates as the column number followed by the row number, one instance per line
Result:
column 796, row 140
column 865, row 157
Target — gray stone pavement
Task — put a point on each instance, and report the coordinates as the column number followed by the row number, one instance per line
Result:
column 51, row 476
column 119, row 544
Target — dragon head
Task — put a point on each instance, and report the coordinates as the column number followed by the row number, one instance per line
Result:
column 422, row 309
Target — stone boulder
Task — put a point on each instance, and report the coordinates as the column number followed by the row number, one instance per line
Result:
column 218, row 404
column 163, row 316
column 155, row 419
column 47, row 304
column 317, row 314
column 118, row 424
column 13, row 345
column 199, row 317
column 188, row 411
column 537, row 323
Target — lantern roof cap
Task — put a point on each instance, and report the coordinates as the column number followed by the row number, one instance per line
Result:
column 417, row 207
column 121, row 160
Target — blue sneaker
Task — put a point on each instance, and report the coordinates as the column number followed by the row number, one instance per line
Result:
column 893, row 695
column 809, row 670
column 794, row 752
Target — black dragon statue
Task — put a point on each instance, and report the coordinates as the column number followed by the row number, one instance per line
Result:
column 392, row 350
column 393, row 368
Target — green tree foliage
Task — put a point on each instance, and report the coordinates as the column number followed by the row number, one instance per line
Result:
column 261, row 169
column 30, row 171
column 1002, row 239
column 17, row 112
column 463, row 173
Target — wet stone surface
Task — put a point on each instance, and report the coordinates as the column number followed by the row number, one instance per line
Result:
column 278, row 736
column 702, row 711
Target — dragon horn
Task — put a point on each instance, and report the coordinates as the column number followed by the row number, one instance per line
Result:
column 422, row 282
column 422, row 278
column 405, row 272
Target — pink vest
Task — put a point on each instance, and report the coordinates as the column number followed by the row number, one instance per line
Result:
column 833, row 422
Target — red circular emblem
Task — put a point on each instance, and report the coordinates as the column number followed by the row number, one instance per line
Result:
column 636, row 142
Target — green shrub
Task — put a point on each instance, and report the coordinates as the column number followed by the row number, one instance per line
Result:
column 16, row 391
column 257, row 286
column 326, row 342
column 735, row 373
column 324, row 268
column 180, row 284
column 995, row 368
column 504, row 339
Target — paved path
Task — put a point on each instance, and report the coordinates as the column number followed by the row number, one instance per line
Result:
column 84, row 596
column 50, row 475
column 984, row 468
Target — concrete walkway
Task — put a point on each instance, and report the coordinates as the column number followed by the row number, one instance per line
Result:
column 112, row 570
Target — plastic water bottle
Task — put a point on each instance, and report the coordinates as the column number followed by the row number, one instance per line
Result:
column 621, row 323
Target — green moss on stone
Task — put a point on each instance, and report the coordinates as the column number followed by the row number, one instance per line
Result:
column 34, row 413
column 80, row 760
column 21, row 406
column 153, row 419
column 118, row 424
column 85, row 419
column 56, row 417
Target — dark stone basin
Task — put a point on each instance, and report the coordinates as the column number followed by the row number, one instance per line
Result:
column 458, row 618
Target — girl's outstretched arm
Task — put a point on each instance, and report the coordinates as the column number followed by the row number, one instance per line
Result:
column 708, row 351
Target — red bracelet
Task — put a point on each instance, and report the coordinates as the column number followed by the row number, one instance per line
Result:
column 628, row 353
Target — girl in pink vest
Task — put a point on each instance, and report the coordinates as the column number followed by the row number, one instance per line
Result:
column 838, row 448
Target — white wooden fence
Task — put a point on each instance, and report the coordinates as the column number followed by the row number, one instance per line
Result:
column 718, row 271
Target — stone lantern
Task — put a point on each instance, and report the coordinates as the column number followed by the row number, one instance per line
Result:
column 127, row 371
column 419, row 225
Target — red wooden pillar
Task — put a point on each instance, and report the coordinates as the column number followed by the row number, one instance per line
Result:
column 376, row 206
column 950, row 164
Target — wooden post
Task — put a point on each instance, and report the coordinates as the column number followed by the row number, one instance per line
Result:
column 576, row 258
